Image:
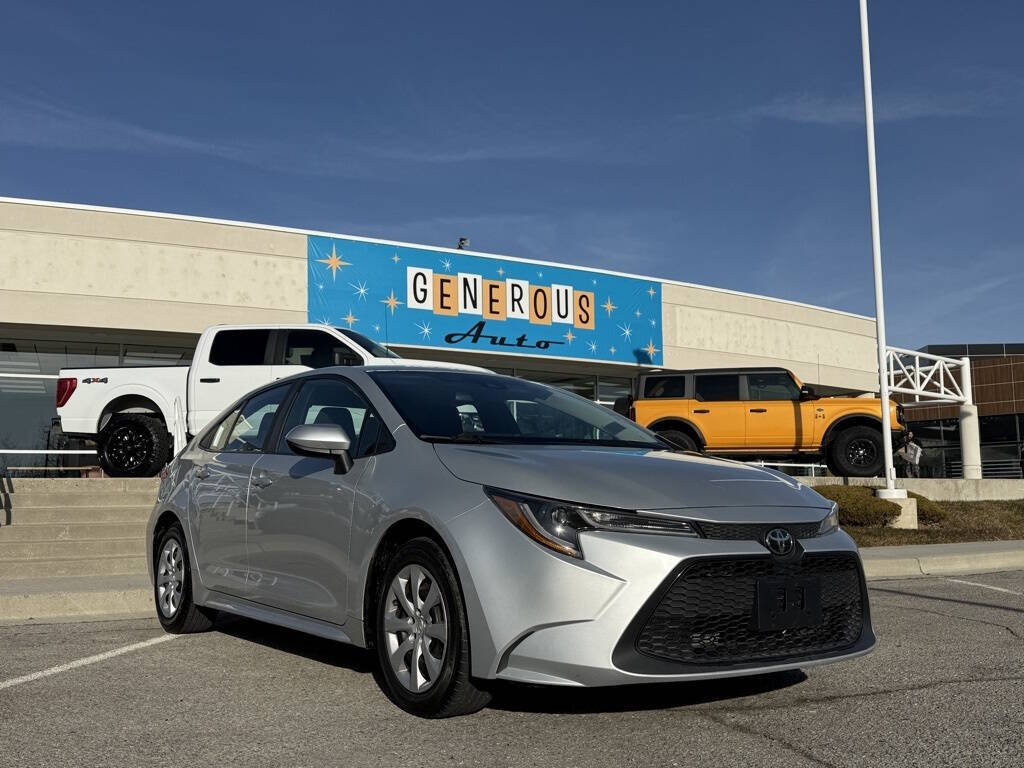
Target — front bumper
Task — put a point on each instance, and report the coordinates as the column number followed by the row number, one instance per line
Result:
column 539, row 617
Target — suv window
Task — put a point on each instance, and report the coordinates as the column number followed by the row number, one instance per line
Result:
column 335, row 401
column 242, row 347
column 665, row 386
column 316, row 349
column 771, row 386
column 255, row 420
column 717, row 386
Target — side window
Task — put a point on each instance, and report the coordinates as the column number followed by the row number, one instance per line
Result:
column 771, row 386
column 334, row 401
column 255, row 420
column 316, row 349
column 665, row 386
column 241, row 347
column 218, row 436
column 717, row 386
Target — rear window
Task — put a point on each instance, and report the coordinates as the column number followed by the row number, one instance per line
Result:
column 665, row 386
column 242, row 347
column 717, row 386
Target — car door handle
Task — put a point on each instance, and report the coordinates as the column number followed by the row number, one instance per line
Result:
column 702, row 410
column 262, row 480
column 202, row 473
column 209, row 381
column 759, row 410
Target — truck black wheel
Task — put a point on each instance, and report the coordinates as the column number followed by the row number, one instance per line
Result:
column 857, row 452
column 680, row 439
column 133, row 445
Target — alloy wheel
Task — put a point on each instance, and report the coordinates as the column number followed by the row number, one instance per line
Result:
column 861, row 452
column 170, row 577
column 415, row 628
column 128, row 447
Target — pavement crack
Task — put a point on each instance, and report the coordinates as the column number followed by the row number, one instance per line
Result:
column 789, row 746
column 1009, row 629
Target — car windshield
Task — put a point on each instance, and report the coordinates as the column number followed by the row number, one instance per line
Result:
column 371, row 346
column 452, row 406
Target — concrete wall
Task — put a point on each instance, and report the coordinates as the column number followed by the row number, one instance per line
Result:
column 64, row 266
column 937, row 489
column 703, row 328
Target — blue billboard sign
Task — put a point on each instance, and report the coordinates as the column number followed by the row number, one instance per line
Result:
column 405, row 295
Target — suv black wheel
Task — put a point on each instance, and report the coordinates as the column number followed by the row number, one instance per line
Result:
column 422, row 634
column 680, row 439
column 172, row 586
column 133, row 445
column 857, row 452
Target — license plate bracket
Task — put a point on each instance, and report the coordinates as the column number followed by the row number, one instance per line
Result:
column 787, row 603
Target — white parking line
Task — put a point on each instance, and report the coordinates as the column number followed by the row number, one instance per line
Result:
column 986, row 586
column 83, row 662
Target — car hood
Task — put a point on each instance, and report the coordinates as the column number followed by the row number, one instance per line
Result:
column 628, row 478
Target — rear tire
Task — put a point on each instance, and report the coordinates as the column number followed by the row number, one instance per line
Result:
column 422, row 634
column 133, row 445
column 680, row 439
column 172, row 586
column 857, row 452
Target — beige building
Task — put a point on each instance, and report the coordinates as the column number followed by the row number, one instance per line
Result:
column 91, row 286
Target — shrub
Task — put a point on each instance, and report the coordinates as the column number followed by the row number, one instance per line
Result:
column 859, row 506
column 928, row 512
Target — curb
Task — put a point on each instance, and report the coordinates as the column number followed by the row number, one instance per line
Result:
column 942, row 559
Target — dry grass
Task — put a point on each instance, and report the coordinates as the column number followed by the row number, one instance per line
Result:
column 963, row 521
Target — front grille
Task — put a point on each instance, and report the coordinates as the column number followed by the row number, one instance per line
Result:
column 709, row 614
column 755, row 531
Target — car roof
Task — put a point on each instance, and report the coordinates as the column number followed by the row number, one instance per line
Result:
column 399, row 363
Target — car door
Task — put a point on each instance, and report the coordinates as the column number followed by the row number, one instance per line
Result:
column 774, row 416
column 300, row 509
column 718, row 411
column 239, row 361
column 303, row 349
column 219, row 491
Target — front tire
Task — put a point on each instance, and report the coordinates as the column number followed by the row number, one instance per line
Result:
column 857, row 452
column 133, row 445
column 172, row 587
column 422, row 634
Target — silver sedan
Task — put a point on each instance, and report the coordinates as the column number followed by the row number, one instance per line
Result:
column 468, row 527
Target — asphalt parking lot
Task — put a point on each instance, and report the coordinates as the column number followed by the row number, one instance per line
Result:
column 944, row 687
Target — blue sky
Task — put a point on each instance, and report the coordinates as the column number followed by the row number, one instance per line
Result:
column 720, row 143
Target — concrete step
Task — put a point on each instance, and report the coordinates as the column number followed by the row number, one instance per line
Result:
column 78, row 484
column 39, row 515
column 77, row 499
column 71, row 597
column 72, row 531
column 82, row 567
column 56, row 549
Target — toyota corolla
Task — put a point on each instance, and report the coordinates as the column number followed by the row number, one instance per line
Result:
column 468, row 526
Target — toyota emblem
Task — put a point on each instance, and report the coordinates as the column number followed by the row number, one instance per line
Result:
column 779, row 541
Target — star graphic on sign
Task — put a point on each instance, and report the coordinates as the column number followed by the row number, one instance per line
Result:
column 446, row 264
column 395, row 258
column 350, row 319
column 612, row 350
column 334, row 262
column 608, row 306
column 594, row 281
column 360, row 289
column 540, row 274
column 568, row 337
column 638, row 313
column 501, row 271
column 627, row 332
column 424, row 329
column 391, row 301
column 651, row 291
column 592, row 346
column 319, row 286
column 653, row 323
column 376, row 327
column 651, row 350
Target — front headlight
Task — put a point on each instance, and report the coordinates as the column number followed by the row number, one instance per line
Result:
column 557, row 524
column 831, row 521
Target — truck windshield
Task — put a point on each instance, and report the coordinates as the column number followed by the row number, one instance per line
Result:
column 451, row 406
column 371, row 346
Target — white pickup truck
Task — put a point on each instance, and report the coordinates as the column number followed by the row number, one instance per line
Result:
column 134, row 413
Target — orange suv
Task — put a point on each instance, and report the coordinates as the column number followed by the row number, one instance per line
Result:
column 765, row 412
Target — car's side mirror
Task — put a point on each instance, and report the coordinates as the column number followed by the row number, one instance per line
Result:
column 807, row 392
column 323, row 441
column 622, row 405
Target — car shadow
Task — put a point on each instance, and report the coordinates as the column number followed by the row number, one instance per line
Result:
column 519, row 697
